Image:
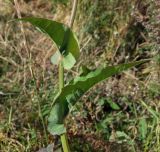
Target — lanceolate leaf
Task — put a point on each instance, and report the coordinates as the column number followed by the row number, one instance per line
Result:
column 62, row 36
column 143, row 128
column 71, row 93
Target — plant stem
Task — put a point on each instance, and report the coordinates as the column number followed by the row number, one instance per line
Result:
column 65, row 144
column 61, row 76
column 64, row 139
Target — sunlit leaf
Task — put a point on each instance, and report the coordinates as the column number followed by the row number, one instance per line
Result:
column 56, row 129
column 71, row 93
column 56, row 57
column 62, row 36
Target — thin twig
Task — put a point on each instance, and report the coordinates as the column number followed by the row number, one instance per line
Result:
column 73, row 14
column 24, row 41
column 22, row 27
column 9, row 61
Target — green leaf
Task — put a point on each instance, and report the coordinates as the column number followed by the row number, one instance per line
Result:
column 84, row 70
column 71, row 93
column 113, row 105
column 56, row 57
column 122, row 135
column 69, row 61
column 62, row 36
column 154, row 113
column 143, row 128
column 56, row 129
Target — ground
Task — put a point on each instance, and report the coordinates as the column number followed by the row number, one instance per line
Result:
column 119, row 114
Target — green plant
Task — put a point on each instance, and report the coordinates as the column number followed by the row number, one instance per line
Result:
column 66, row 55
